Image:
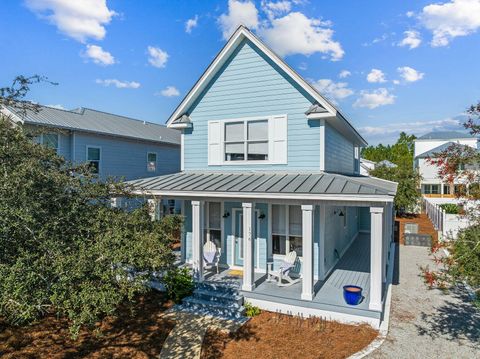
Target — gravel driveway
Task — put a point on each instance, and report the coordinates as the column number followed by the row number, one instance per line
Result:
column 427, row 323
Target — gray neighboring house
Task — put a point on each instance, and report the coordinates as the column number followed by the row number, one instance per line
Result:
column 114, row 145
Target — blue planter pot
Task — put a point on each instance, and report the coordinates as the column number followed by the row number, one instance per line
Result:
column 352, row 294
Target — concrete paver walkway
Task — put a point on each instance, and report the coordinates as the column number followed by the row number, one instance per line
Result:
column 186, row 338
column 427, row 323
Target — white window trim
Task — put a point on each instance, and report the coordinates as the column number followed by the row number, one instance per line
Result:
column 245, row 120
column 156, row 161
column 100, row 161
column 287, row 234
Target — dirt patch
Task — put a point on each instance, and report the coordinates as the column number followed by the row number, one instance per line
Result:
column 270, row 335
column 136, row 331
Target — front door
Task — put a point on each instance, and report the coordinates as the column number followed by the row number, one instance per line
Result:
column 238, row 234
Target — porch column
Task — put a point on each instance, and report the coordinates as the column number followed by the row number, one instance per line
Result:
column 307, row 250
column 321, row 242
column 376, row 240
column 155, row 207
column 248, row 242
column 197, row 239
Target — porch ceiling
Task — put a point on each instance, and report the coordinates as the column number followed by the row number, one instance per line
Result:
column 254, row 184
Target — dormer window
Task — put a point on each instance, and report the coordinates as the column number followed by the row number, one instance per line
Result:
column 246, row 140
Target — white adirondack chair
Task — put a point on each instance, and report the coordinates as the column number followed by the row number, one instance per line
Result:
column 211, row 254
column 283, row 272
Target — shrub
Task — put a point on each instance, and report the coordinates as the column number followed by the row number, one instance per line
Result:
column 251, row 310
column 179, row 283
column 450, row 208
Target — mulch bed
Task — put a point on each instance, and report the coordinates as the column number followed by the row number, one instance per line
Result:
column 135, row 332
column 271, row 335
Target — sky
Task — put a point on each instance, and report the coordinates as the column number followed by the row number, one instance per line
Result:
column 389, row 66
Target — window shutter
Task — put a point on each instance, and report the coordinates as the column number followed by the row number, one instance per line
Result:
column 278, row 139
column 214, row 142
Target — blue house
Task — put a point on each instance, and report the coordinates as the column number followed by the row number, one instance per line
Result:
column 115, row 146
column 270, row 172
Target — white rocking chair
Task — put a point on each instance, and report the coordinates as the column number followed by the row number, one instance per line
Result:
column 283, row 272
column 211, row 254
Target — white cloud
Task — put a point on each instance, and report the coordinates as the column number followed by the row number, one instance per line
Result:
column 410, row 14
column 80, row 20
column 451, row 19
column 409, row 74
column 273, row 9
column 303, row 66
column 169, row 91
column 396, row 82
column 157, row 57
column 118, row 84
column 239, row 13
column 375, row 98
column 57, row 106
column 333, row 90
column 297, row 34
column 99, row 55
column 376, row 76
column 344, row 74
column 190, row 24
column 412, row 39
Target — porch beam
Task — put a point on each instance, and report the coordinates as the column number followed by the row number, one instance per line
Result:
column 376, row 257
column 248, row 242
column 321, row 241
column 197, row 238
column 307, row 252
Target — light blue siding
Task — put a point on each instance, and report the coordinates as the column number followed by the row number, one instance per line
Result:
column 249, row 85
column 65, row 146
column 339, row 152
column 125, row 158
column 364, row 220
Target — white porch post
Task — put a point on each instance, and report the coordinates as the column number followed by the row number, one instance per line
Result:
column 321, row 242
column 376, row 254
column 154, row 207
column 248, row 242
column 197, row 238
column 307, row 250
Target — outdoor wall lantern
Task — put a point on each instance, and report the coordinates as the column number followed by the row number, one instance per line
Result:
column 226, row 214
column 261, row 216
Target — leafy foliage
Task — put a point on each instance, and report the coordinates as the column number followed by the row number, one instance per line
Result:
column 450, row 208
column 401, row 154
column 251, row 310
column 64, row 250
column 179, row 283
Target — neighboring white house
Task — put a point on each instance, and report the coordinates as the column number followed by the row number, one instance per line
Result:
column 426, row 147
column 366, row 166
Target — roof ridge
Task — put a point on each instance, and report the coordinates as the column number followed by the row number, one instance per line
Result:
column 123, row 116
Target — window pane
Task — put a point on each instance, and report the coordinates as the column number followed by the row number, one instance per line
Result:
column 278, row 219
column 214, row 215
column 234, row 131
column 257, row 151
column 151, row 162
column 152, row 157
column 93, row 154
column 435, row 189
column 234, row 152
column 50, row 140
column 279, row 244
column 446, row 189
column 95, row 166
column 257, row 130
column 296, row 245
column 295, row 219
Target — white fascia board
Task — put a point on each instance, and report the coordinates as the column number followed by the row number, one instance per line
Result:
column 320, row 116
column 180, row 126
column 5, row 111
column 269, row 196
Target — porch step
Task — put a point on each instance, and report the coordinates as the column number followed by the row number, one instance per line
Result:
column 218, row 300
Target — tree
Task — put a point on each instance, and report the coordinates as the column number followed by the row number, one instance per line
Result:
column 401, row 154
column 460, row 164
column 63, row 248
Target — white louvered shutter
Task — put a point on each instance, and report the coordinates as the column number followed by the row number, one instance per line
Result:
column 278, row 139
column 214, row 143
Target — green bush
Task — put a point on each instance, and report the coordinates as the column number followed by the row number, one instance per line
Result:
column 251, row 310
column 179, row 284
column 450, row 208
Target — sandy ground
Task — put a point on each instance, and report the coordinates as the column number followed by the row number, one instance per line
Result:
column 428, row 323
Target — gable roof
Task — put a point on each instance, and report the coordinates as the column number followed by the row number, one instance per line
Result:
column 331, row 112
column 386, row 163
column 445, row 135
column 88, row 120
column 441, row 148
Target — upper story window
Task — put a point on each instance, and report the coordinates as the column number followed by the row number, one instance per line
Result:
column 94, row 158
column 246, row 140
column 49, row 140
column 251, row 140
column 151, row 162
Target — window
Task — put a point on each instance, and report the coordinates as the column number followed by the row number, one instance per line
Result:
column 213, row 220
column 286, row 229
column 49, row 140
column 93, row 158
column 446, row 189
column 246, row 140
column 151, row 162
column 431, row 189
